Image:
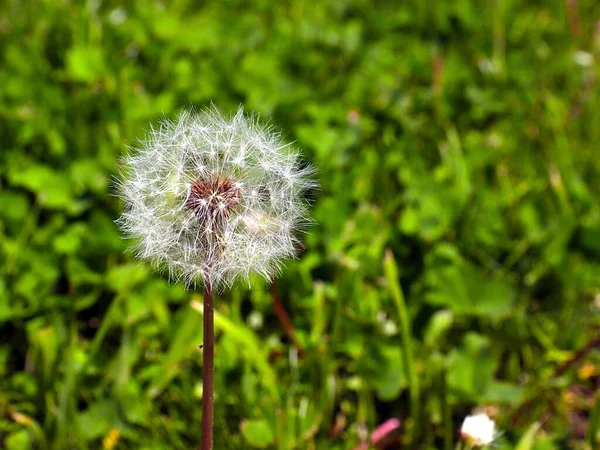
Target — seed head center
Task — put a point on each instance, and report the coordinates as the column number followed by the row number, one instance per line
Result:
column 213, row 198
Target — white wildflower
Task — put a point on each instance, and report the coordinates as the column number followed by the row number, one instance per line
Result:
column 583, row 59
column 478, row 430
column 214, row 199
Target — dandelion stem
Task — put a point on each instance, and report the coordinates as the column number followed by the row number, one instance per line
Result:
column 208, row 369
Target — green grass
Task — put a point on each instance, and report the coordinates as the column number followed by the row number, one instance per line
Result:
column 455, row 260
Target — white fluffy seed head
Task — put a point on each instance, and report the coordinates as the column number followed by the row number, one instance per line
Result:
column 214, row 199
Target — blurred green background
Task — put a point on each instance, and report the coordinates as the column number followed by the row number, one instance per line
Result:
column 455, row 263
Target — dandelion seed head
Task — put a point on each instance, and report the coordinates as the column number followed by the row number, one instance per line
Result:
column 213, row 199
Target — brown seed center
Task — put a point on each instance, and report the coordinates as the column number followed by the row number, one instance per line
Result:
column 213, row 198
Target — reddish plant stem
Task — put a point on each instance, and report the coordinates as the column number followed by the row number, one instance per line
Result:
column 573, row 17
column 579, row 354
column 208, row 369
column 559, row 371
column 283, row 317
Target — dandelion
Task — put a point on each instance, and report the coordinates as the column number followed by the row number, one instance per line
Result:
column 478, row 430
column 213, row 200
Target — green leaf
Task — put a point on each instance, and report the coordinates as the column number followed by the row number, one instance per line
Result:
column 70, row 241
column 252, row 349
column 257, row 433
column 438, row 326
column 80, row 274
column 51, row 187
column 390, row 270
column 410, row 221
column 182, row 343
column 47, row 340
column 545, row 443
column 98, row 419
column 87, row 174
column 503, row 392
column 125, row 276
column 389, row 377
column 14, row 206
column 527, row 440
column 85, row 63
column 19, row 440
column 471, row 367
column 468, row 291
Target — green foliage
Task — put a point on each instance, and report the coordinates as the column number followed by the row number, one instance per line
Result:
column 455, row 262
column 526, row 442
column 257, row 433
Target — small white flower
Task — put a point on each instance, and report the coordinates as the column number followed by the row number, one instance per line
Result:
column 478, row 430
column 583, row 59
column 214, row 199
